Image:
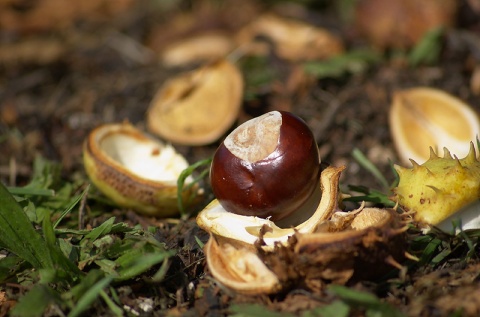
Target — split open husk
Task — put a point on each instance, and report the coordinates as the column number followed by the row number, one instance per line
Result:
column 239, row 268
column 255, row 256
column 244, row 229
column 442, row 190
column 198, row 107
column 133, row 170
column 421, row 118
column 363, row 244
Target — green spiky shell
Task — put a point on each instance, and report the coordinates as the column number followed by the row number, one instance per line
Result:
column 439, row 187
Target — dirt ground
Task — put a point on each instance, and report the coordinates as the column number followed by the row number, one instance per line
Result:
column 60, row 77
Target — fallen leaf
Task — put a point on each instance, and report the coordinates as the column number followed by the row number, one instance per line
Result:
column 292, row 39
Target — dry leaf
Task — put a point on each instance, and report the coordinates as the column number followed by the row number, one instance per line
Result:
column 199, row 48
column 198, row 107
column 421, row 118
column 38, row 50
column 475, row 81
column 401, row 23
column 292, row 39
column 43, row 15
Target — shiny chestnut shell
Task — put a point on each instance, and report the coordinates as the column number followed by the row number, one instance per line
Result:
column 274, row 168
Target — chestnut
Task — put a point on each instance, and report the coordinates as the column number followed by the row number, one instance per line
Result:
column 267, row 167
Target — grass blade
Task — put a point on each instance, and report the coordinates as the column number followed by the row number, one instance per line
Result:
column 72, row 205
column 335, row 309
column 131, row 267
column 103, row 229
column 18, row 235
column 350, row 295
column 358, row 299
column 182, row 178
column 199, row 242
column 162, row 271
column 61, row 262
column 9, row 266
column 366, row 164
column 89, row 297
column 369, row 195
column 25, row 191
column 428, row 49
column 354, row 62
column 34, row 303
column 430, row 251
column 116, row 311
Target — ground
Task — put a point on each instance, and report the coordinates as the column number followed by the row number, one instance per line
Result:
column 101, row 66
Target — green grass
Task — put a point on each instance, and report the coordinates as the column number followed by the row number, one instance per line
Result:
column 382, row 196
column 64, row 267
column 60, row 264
column 182, row 187
column 351, row 62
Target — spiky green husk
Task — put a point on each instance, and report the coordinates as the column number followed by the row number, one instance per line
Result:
column 439, row 187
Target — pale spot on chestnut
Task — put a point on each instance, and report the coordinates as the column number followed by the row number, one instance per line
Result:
column 267, row 167
column 257, row 138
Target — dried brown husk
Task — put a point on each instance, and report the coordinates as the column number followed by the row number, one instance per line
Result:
column 198, row 107
column 362, row 244
column 364, row 249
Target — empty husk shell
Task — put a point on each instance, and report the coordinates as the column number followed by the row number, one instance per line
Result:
column 134, row 170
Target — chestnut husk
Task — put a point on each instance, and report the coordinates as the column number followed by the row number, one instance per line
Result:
column 155, row 194
column 344, row 256
column 344, row 247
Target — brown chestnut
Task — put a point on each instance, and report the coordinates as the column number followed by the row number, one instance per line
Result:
column 267, row 167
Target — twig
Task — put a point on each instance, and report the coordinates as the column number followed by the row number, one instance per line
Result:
column 333, row 107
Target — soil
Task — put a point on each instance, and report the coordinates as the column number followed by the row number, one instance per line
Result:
column 58, row 81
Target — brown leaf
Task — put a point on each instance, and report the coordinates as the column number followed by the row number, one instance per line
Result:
column 401, row 23
column 292, row 39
